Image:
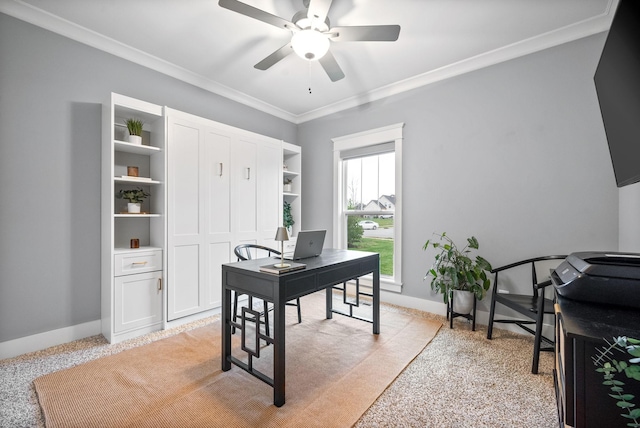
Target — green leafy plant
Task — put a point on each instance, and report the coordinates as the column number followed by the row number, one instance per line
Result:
column 287, row 217
column 135, row 127
column 612, row 370
column 453, row 269
column 133, row 195
column 354, row 231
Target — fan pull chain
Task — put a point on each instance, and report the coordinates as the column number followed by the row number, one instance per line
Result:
column 309, row 75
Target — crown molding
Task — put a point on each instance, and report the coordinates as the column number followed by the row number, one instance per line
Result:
column 569, row 33
column 28, row 13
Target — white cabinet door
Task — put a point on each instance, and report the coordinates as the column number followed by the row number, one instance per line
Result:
column 138, row 301
column 244, row 174
column 217, row 212
column 185, row 209
column 223, row 188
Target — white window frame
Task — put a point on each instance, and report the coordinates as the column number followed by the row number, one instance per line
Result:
column 387, row 134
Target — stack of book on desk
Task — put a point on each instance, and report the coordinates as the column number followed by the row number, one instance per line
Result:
column 290, row 266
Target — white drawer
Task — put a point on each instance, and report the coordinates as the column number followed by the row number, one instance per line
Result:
column 138, row 262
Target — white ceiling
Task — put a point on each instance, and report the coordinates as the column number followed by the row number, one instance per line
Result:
column 199, row 42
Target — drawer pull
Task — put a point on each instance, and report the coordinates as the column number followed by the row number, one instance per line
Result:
column 139, row 263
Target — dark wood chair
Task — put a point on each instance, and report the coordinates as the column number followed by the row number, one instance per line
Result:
column 531, row 306
column 247, row 252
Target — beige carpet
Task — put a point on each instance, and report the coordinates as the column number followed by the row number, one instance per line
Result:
column 335, row 370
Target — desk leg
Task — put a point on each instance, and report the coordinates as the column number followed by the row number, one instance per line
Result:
column 226, row 327
column 376, row 301
column 329, row 295
column 279, row 305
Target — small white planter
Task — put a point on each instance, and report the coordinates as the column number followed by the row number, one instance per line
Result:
column 462, row 302
column 135, row 139
column 133, row 208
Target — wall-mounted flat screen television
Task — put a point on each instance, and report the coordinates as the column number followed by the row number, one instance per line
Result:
column 617, row 81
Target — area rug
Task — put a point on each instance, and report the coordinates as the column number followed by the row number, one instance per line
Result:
column 335, row 370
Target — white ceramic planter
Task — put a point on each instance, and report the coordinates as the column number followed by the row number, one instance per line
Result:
column 133, row 208
column 135, row 139
column 462, row 302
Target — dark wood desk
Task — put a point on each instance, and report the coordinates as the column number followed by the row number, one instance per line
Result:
column 322, row 272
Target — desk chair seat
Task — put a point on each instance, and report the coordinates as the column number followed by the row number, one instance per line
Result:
column 244, row 252
column 527, row 305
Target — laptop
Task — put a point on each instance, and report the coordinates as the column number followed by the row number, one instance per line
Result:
column 308, row 244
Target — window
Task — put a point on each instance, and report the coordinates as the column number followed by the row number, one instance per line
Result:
column 367, row 197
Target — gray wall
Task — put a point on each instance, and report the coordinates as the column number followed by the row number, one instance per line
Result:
column 514, row 154
column 51, row 90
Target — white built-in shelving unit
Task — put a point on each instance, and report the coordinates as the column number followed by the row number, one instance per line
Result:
column 291, row 172
column 132, row 278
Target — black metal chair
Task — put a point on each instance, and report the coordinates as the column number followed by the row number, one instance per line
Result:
column 532, row 306
column 244, row 252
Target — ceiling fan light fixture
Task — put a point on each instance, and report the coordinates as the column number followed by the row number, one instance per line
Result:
column 310, row 44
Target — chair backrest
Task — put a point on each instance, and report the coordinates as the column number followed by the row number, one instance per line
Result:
column 249, row 251
column 540, row 270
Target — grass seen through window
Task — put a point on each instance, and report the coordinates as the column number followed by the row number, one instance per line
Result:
column 383, row 246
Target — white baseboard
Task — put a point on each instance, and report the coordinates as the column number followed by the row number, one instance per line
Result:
column 37, row 342
column 190, row 318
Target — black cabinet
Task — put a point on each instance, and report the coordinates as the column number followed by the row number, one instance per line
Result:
column 581, row 330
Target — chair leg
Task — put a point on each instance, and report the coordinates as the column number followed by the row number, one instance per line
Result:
column 492, row 312
column 299, row 311
column 538, row 336
column 265, row 308
column 234, row 316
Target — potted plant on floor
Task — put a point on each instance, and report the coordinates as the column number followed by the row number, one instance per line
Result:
column 135, row 198
column 135, row 130
column 454, row 270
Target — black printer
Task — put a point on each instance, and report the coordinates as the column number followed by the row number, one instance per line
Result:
column 600, row 277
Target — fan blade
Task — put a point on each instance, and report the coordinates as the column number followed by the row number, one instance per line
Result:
column 365, row 33
column 274, row 57
column 331, row 66
column 318, row 10
column 256, row 13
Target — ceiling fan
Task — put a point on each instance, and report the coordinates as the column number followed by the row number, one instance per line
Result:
column 312, row 33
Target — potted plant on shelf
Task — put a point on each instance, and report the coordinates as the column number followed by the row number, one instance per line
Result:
column 135, row 130
column 135, row 198
column 287, row 217
column 286, row 185
column 454, row 270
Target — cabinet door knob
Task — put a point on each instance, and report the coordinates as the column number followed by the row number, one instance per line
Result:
column 220, row 165
column 247, row 173
column 159, row 284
